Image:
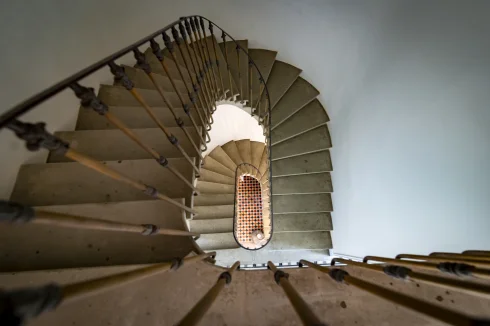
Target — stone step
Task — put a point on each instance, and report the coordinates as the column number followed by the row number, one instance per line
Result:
column 311, row 141
column 231, row 149
column 112, row 145
column 36, row 247
column 244, row 150
column 212, row 165
column 226, row 257
column 301, row 164
column 213, row 44
column 302, row 184
column 256, row 151
column 213, row 241
column 233, row 62
column 214, row 212
column 307, row 118
column 222, row 157
column 264, row 60
column 141, row 80
column 300, row 240
column 302, row 203
column 212, row 199
column 215, row 188
column 171, row 65
column 282, row 76
column 113, row 95
column 302, row 222
column 73, row 183
column 220, row 225
column 210, row 176
column 298, row 95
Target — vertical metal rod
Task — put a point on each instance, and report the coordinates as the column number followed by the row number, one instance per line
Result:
column 239, row 73
column 216, row 58
column 421, row 306
column 304, row 312
column 404, row 273
column 203, row 305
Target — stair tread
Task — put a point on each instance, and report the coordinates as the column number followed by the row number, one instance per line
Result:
column 214, row 199
column 141, row 80
column 73, row 183
column 222, row 157
column 215, row 188
column 301, row 164
column 133, row 117
column 36, row 247
column 210, row 176
column 302, row 184
column 244, row 151
column 302, row 222
column 302, row 203
column 100, row 144
column 233, row 62
column 282, row 76
column 313, row 140
column 264, row 60
column 212, row 165
column 219, row 225
column 297, row 96
column 113, row 95
column 308, row 117
column 156, row 66
column 231, row 149
column 212, row 241
column 214, row 211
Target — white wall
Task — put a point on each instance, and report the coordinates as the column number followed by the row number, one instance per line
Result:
column 406, row 85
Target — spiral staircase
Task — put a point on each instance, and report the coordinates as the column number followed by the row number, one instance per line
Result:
column 129, row 194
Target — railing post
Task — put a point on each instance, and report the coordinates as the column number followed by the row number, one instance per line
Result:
column 304, row 312
column 203, row 305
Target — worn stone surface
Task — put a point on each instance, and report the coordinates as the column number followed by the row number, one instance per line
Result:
column 302, row 203
column 37, row 247
column 244, row 150
column 215, row 188
column 210, row 176
column 171, row 66
column 214, row 212
column 214, row 199
column 220, row 155
column 307, row 163
column 100, row 144
column 213, row 241
column 231, row 149
column 298, row 95
column 310, row 141
column 302, row 184
column 310, row 116
column 264, row 60
column 142, row 80
column 212, row 165
column 303, row 240
column 282, row 76
column 133, row 117
column 119, row 96
column 218, row 225
column 73, row 183
column 302, row 222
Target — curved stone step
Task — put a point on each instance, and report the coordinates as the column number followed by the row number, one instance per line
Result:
column 113, row 145
column 310, row 141
column 238, row 75
column 119, row 96
column 294, row 222
column 214, row 212
column 244, row 150
column 171, row 66
column 282, row 76
column 222, row 157
column 264, row 60
column 303, row 240
column 37, row 247
column 302, row 184
column 220, row 225
column 256, row 151
column 210, row 176
column 73, row 183
column 142, row 80
column 308, row 117
column 212, row 241
column 302, row 203
column 212, row 165
column 308, row 163
column 133, row 117
column 215, row 188
column 297, row 96
column 231, row 149
column 214, row 199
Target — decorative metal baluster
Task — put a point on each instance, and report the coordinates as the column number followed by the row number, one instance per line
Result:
column 143, row 64
column 239, row 73
column 18, row 306
column 207, row 55
column 258, row 103
column 89, row 100
column 36, row 136
column 250, row 74
column 120, row 76
column 200, row 309
column 200, row 61
column 406, row 274
column 192, row 94
column 223, row 37
column 304, row 312
column 16, row 213
column 158, row 53
column 216, row 58
column 206, row 108
column 199, row 73
column 421, row 306
column 448, row 267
